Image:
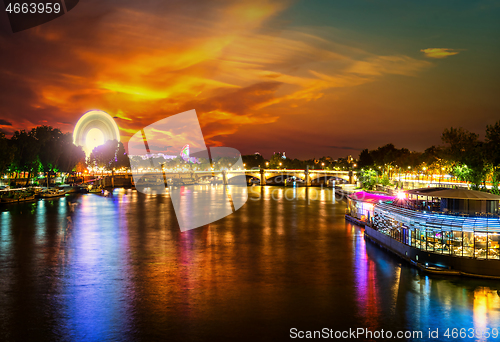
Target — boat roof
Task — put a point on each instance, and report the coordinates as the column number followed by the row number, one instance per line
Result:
column 454, row 193
column 371, row 197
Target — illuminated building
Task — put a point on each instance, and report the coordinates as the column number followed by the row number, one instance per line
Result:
column 185, row 155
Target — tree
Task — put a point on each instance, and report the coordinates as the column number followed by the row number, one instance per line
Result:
column 204, row 164
column 71, row 155
column 368, row 178
column 253, row 161
column 467, row 155
column 461, row 143
column 121, row 159
column 365, row 159
column 49, row 141
column 385, row 155
column 275, row 161
column 50, row 144
column 492, row 145
column 108, row 156
column 385, row 181
column 27, row 149
column 7, row 153
column 431, row 155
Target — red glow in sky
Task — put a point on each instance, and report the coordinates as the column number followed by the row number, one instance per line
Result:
column 308, row 78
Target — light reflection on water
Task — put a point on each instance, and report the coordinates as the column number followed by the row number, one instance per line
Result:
column 120, row 270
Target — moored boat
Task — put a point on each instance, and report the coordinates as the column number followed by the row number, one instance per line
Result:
column 95, row 190
column 8, row 200
column 441, row 230
column 27, row 198
column 360, row 205
column 17, row 195
column 52, row 193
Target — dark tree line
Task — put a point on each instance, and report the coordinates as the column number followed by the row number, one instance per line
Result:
column 277, row 161
column 43, row 149
column 109, row 156
column 462, row 155
column 48, row 150
column 389, row 157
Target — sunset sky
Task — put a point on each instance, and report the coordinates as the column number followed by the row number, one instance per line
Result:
column 311, row 78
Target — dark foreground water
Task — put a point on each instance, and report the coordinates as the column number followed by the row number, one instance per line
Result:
column 119, row 269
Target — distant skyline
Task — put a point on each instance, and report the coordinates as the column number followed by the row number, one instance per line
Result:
column 312, row 78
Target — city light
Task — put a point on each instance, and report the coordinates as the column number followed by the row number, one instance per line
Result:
column 97, row 235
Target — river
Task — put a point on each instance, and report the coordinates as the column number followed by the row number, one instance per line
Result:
column 119, row 269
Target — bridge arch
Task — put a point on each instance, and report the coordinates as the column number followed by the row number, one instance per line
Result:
column 326, row 178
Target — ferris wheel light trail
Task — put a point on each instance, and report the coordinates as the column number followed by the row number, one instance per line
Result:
column 93, row 129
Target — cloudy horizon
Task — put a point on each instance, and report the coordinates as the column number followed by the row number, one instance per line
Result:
column 309, row 78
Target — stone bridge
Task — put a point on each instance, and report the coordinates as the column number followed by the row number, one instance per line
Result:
column 308, row 176
column 265, row 175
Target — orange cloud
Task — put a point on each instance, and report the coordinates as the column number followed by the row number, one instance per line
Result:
column 141, row 63
column 439, row 52
column 397, row 65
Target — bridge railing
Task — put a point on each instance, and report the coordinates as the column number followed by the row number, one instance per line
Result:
column 300, row 170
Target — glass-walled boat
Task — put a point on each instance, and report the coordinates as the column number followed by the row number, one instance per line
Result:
column 451, row 228
column 360, row 205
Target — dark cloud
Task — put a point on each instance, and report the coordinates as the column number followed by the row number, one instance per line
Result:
column 5, row 123
column 253, row 85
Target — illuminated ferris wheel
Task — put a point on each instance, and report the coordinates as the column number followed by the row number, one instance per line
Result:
column 93, row 129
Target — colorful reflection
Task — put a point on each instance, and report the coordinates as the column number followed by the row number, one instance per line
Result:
column 366, row 284
column 118, row 268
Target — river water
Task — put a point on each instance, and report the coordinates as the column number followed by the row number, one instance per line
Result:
column 119, row 269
